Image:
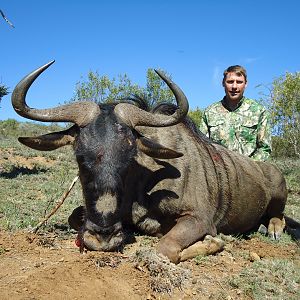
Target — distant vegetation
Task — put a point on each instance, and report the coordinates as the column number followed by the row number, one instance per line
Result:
column 3, row 91
column 282, row 99
column 13, row 128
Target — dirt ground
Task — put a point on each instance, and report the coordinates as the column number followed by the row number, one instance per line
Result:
column 47, row 266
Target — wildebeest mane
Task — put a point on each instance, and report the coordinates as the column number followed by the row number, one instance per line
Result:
column 169, row 109
column 136, row 100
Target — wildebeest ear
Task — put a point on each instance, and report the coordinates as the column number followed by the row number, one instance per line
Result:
column 50, row 141
column 156, row 150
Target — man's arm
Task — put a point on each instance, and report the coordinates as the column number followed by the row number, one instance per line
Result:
column 263, row 140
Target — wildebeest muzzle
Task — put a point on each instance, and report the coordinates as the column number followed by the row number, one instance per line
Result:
column 94, row 237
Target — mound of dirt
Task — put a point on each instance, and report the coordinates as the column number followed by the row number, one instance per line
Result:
column 9, row 155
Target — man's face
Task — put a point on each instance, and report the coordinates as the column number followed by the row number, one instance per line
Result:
column 234, row 86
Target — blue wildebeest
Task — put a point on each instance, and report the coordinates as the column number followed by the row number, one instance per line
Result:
column 155, row 172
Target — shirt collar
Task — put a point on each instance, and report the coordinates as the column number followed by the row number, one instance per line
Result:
column 223, row 101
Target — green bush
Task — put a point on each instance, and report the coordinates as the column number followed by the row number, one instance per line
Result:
column 282, row 148
column 9, row 127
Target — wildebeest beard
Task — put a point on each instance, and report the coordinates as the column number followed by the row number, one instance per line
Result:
column 104, row 150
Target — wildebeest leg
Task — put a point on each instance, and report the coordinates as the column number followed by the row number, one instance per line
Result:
column 209, row 245
column 275, row 213
column 142, row 221
column 186, row 232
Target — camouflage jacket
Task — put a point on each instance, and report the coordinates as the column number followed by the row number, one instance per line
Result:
column 245, row 130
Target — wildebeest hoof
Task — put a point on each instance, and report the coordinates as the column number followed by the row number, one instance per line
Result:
column 275, row 228
column 213, row 244
column 149, row 226
column 208, row 238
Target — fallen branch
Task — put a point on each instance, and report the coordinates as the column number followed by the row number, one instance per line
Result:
column 4, row 17
column 58, row 205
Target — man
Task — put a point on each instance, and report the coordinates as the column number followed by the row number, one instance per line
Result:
column 239, row 123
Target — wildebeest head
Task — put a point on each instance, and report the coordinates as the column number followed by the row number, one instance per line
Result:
column 105, row 142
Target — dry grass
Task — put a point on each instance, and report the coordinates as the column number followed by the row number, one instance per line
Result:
column 164, row 276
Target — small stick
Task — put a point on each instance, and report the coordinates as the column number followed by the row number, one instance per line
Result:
column 4, row 17
column 58, row 205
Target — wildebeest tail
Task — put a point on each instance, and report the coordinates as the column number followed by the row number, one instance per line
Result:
column 293, row 229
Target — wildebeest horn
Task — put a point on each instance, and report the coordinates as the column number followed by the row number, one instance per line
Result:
column 133, row 116
column 80, row 113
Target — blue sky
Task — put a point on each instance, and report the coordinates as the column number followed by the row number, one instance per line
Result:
column 194, row 41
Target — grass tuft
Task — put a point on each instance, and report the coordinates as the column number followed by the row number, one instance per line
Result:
column 164, row 275
column 269, row 279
